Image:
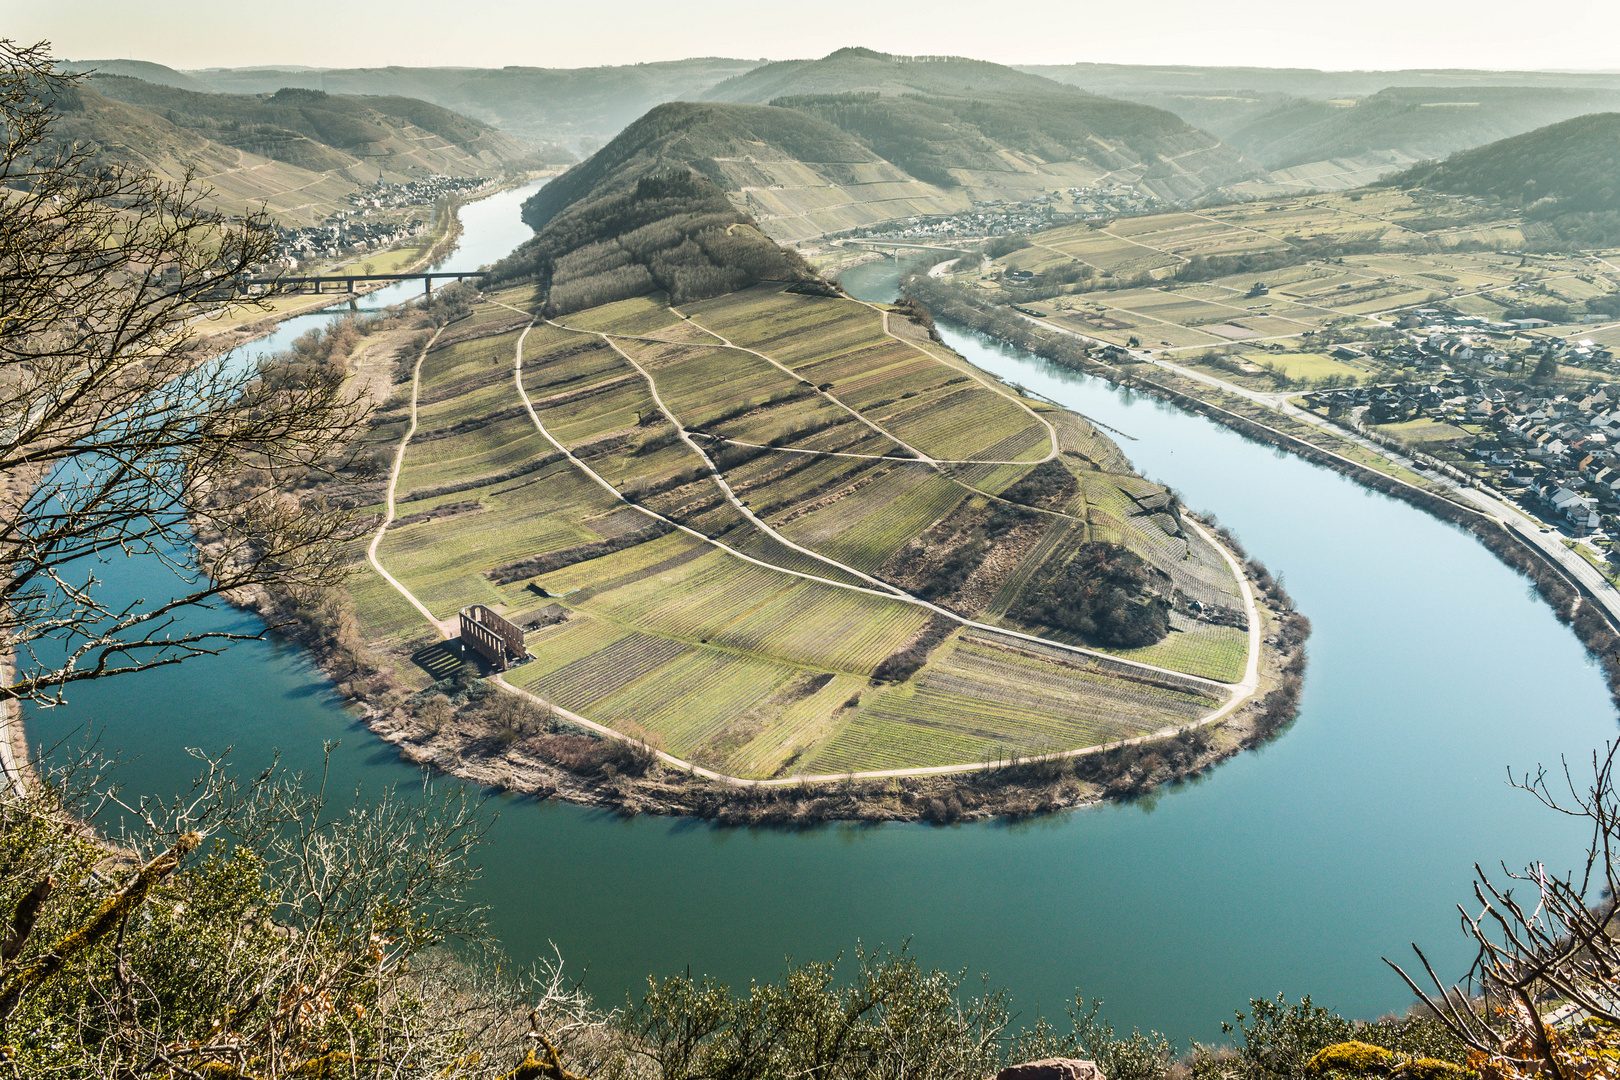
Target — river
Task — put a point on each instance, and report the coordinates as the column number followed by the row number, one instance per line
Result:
column 1292, row 869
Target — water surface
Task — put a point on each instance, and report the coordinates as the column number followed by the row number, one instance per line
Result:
column 1291, row 869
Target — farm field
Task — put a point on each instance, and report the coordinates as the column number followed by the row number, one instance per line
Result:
column 767, row 523
column 1234, row 277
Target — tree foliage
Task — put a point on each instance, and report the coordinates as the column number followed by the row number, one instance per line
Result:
column 673, row 230
column 118, row 431
column 1107, row 593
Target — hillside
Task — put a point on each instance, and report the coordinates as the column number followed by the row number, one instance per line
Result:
column 322, row 131
column 1020, row 146
column 1562, row 175
column 577, row 107
column 1422, row 122
column 997, row 132
column 785, row 533
column 791, row 173
column 1340, row 129
column 301, row 155
column 145, row 70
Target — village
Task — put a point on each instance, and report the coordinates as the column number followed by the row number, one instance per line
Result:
column 1001, row 218
column 1507, row 414
column 377, row 221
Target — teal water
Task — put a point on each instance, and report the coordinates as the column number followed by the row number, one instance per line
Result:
column 1291, row 869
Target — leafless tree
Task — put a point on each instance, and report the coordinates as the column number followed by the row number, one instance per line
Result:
column 1547, row 962
column 119, row 435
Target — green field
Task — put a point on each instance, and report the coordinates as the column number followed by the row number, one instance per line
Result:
column 757, row 645
column 1306, row 365
column 1401, row 250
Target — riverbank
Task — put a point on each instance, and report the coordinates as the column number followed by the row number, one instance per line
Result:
column 1571, row 600
column 447, row 231
column 1431, row 668
column 457, row 727
column 558, row 760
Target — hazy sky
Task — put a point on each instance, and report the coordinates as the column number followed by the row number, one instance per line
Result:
column 1582, row 34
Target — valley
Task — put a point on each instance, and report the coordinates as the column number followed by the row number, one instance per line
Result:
column 880, row 495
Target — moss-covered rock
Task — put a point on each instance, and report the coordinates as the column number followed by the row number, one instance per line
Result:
column 1365, row 1059
column 1355, row 1058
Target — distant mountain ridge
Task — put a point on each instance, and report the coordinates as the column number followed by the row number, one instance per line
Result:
column 1341, row 124
column 994, row 130
column 335, row 129
column 856, row 69
column 577, row 107
column 1269, row 130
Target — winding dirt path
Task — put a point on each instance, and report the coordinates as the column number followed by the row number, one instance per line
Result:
column 1237, row 693
column 448, row 627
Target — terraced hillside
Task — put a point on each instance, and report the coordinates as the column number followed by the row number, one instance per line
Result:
column 301, row 153
column 790, row 534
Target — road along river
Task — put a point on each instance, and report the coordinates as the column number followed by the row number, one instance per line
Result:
column 1292, row 869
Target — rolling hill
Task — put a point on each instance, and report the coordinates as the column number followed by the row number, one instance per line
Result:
column 145, row 70
column 301, row 153
column 322, row 131
column 577, row 107
column 855, row 69
column 1562, row 176
column 997, row 132
column 1339, row 129
column 797, row 175
column 1424, row 122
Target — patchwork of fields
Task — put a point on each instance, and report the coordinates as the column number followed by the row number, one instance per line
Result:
column 1405, row 250
column 783, row 537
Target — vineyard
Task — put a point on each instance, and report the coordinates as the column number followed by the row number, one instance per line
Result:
column 712, row 497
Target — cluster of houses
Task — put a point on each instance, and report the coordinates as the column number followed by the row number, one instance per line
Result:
column 341, row 234
column 986, row 219
column 422, row 192
column 374, row 223
column 1558, row 453
column 1438, row 339
column 1111, row 200
column 996, row 218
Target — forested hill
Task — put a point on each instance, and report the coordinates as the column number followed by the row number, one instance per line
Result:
column 579, row 107
column 795, row 174
column 316, row 129
column 856, row 69
column 996, row 131
column 700, row 136
column 1000, row 144
column 1563, row 176
column 299, row 153
column 648, row 211
column 1424, row 122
